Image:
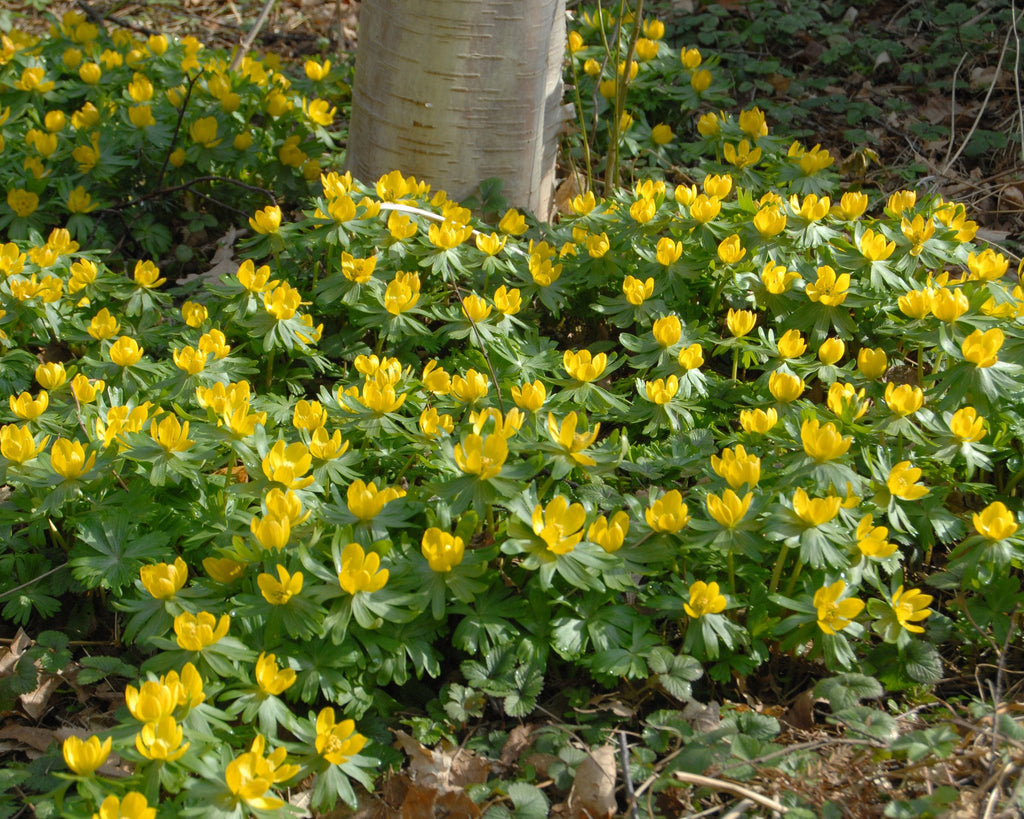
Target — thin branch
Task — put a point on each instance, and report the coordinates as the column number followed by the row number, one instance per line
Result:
column 634, row 809
column 730, row 787
column 33, row 581
column 250, row 38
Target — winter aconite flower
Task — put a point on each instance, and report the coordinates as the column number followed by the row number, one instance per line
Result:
column 834, row 613
column 161, row 740
column 981, row 349
column 583, row 366
column 365, row 501
column 815, row 511
column 829, row 289
column 823, row 443
column 995, row 522
column 872, row 362
column 529, row 396
column 611, row 533
column 565, row 436
column 271, row 678
column 132, row 806
column 758, row 420
column 250, row 776
column 288, row 464
column 661, row 390
column 737, row 467
column 559, row 524
column 125, row 352
column 785, row 387
column 667, row 514
column 164, row 580
column 84, row 756
column 279, row 590
column 360, row 571
column 705, row 598
column 966, row 425
column 337, row 742
column 171, row 434
column 903, row 400
column 911, row 607
column 442, row 550
column 872, row 540
column 901, row 482
column 728, row 509
column 198, row 631
column 740, row 322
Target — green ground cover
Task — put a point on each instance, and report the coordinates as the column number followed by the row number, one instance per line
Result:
column 735, row 429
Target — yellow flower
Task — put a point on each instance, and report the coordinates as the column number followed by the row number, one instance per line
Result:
column 492, row 245
column 250, row 776
column 995, row 522
column 565, row 436
column 320, row 111
column 690, row 58
column 279, row 590
column 512, row 222
column 871, row 539
column 791, row 345
column 475, row 308
column 874, row 247
column 529, row 397
column 901, row 201
column 223, row 569
column 204, row 132
column 981, row 349
column 271, row 531
column 901, row 482
column 709, row 125
column 916, row 304
column 449, row 234
column 32, row 80
column 161, row 740
column 51, row 375
column 327, row 447
column 655, row 29
column 360, row 571
column 24, row 203
column 785, row 387
column 692, row 357
column 282, row 302
column 872, row 362
column 704, row 209
column 84, row 390
column 770, row 221
column 661, row 390
column 559, row 524
column 442, row 550
column 482, row 456
column 609, row 534
column 189, row 360
column 471, row 387
column 643, row 210
column 337, row 742
column 402, row 293
column 308, row 415
column 852, row 205
column 365, row 501
column 254, row 279
column 948, row 305
column 508, row 301
column 198, row 631
column 829, row 289
column 758, row 420
column 823, row 443
column 988, row 265
column 84, row 756
column 194, row 313
column 815, row 511
column 705, row 598
column 910, row 607
column 164, row 580
column 831, row 351
column 740, row 322
column 752, row 122
column 729, row 508
column 700, row 81
column 271, row 678
column 903, row 400
column 436, row 379
column 667, row 330
column 267, row 220
column 317, row 71
column 288, row 464
column 636, row 291
column 967, row 425
column 132, row 806
column 742, row 155
column 661, row 134
column 840, row 396
column 285, row 505
column 171, row 434
column 737, row 467
column 776, row 278
column 812, row 209
column 835, row 614
column 379, row 396
column 430, row 422
column 28, row 408
column 815, row 160
column 125, row 351
column 667, row 514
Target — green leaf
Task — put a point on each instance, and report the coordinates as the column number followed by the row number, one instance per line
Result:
column 921, row 662
column 529, row 800
column 109, row 555
column 846, row 690
column 99, row 668
column 869, row 722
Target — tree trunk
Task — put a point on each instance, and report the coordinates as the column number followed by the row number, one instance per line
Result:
column 458, row 91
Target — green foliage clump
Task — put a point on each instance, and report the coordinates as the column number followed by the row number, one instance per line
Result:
column 681, row 431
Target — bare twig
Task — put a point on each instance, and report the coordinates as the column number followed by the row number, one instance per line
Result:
column 634, row 809
column 33, row 581
column 1016, row 74
column 730, row 787
column 250, row 38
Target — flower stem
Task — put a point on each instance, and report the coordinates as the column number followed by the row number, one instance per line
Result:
column 732, row 574
column 793, row 577
column 777, row 569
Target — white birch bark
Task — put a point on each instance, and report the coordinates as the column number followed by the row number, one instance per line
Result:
column 458, row 91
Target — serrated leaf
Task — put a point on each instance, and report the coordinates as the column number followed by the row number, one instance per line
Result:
column 529, row 800
column 109, row 556
column 98, row 668
column 869, row 722
column 921, row 662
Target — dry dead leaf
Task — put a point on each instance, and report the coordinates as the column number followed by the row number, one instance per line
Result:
column 801, row 712
column 445, row 768
column 517, row 742
column 593, row 789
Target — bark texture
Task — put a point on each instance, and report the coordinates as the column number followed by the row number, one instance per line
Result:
column 458, row 91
